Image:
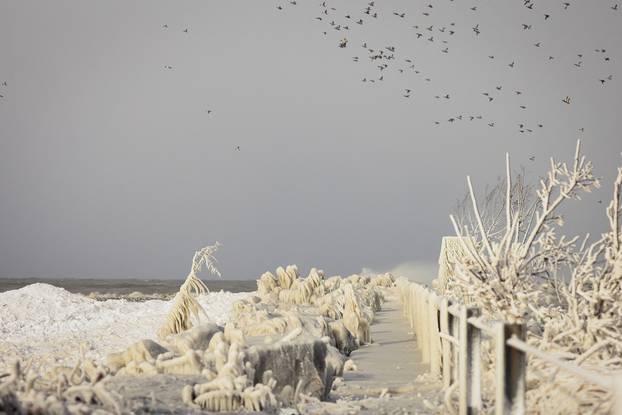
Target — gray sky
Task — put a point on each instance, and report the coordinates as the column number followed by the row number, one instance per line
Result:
column 110, row 165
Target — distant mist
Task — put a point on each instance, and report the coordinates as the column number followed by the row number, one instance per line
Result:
column 419, row 271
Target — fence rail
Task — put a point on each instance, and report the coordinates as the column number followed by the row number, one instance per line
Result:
column 449, row 336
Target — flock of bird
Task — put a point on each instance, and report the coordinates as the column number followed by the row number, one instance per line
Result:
column 387, row 59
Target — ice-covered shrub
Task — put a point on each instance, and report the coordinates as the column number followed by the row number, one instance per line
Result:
column 185, row 304
column 519, row 267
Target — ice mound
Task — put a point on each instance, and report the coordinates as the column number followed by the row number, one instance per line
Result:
column 49, row 322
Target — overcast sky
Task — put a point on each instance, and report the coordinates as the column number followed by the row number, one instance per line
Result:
column 111, row 165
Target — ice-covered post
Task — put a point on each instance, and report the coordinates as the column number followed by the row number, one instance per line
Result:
column 435, row 344
column 445, row 316
column 511, row 368
column 469, row 362
column 454, row 326
column 617, row 394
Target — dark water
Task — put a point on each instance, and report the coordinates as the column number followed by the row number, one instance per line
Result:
column 125, row 286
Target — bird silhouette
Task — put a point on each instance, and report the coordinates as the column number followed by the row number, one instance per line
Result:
column 566, row 100
column 476, row 29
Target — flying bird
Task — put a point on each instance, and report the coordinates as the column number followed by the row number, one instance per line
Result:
column 566, row 100
column 476, row 29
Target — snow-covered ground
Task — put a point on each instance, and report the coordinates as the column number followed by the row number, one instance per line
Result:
column 49, row 323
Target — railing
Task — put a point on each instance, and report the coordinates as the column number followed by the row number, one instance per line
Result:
column 449, row 337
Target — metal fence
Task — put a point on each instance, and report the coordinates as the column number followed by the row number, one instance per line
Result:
column 449, row 336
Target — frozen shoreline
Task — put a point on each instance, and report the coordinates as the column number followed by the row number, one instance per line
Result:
column 49, row 323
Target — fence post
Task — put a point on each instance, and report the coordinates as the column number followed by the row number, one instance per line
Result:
column 511, row 368
column 446, row 344
column 425, row 325
column 617, row 394
column 470, row 361
column 455, row 333
column 435, row 344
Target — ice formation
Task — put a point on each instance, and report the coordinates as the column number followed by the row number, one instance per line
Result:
column 281, row 346
column 284, row 345
column 49, row 323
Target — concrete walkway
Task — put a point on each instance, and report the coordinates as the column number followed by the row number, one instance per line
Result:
column 392, row 360
column 389, row 367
